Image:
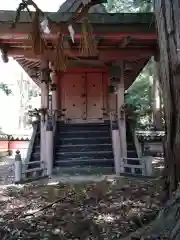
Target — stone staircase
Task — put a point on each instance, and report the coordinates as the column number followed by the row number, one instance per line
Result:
column 83, row 148
column 131, row 150
column 35, row 155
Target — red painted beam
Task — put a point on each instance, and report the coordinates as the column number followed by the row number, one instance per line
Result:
column 22, row 37
column 86, row 69
column 110, row 42
column 103, row 55
column 120, row 35
column 22, row 30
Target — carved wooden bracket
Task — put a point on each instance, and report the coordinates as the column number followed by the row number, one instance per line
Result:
column 45, row 77
column 43, row 112
column 114, row 73
column 53, row 86
column 122, row 112
column 111, row 89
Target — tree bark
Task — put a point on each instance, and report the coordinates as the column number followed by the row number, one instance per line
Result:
column 168, row 27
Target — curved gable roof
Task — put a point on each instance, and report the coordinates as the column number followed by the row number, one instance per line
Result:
column 72, row 6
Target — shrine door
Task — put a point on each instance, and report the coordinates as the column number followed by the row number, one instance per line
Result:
column 83, row 96
column 72, row 92
column 94, row 89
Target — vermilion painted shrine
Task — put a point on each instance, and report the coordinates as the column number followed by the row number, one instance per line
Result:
column 83, row 123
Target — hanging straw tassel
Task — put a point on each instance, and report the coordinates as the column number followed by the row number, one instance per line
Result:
column 61, row 58
column 38, row 43
column 88, row 43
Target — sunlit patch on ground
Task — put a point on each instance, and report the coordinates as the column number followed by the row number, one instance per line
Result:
column 105, row 218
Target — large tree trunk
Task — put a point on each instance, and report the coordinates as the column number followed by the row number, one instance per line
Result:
column 168, row 26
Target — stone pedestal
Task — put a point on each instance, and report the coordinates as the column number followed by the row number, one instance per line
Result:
column 118, row 160
column 49, row 147
column 18, row 167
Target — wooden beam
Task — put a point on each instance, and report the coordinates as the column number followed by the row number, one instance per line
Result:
column 81, row 69
column 125, row 42
column 104, row 55
column 122, row 18
column 116, row 31
column 26, row 44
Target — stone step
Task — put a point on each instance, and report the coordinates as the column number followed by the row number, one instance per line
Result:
column 130, row 146
column 83, row 124
column 83, row 140
column 84, row 162
column 78, row 148
column 133, row 162
column 87, row 170
column 84, row 155
column 131, row 154
column 79, row 127
column 82, row 134
column 83, row 148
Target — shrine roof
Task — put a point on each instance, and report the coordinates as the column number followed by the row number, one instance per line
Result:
column 94, row 18
column 127, row 36
column 72, row 6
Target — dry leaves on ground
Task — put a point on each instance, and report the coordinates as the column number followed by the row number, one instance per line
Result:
column 103, row 210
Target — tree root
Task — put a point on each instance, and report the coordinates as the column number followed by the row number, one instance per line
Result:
column 165, row 226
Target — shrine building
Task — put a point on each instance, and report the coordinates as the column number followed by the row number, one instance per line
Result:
column 82, row 120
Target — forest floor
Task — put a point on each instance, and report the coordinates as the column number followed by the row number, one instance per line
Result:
column 106, row 209
column 101, row 210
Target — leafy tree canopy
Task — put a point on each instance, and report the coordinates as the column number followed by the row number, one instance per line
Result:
column 138, row 97
column 129, row 6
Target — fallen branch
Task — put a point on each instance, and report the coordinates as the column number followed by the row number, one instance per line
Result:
column 44, row 208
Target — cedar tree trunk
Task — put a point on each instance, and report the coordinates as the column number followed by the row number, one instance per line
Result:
column 167, row 13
